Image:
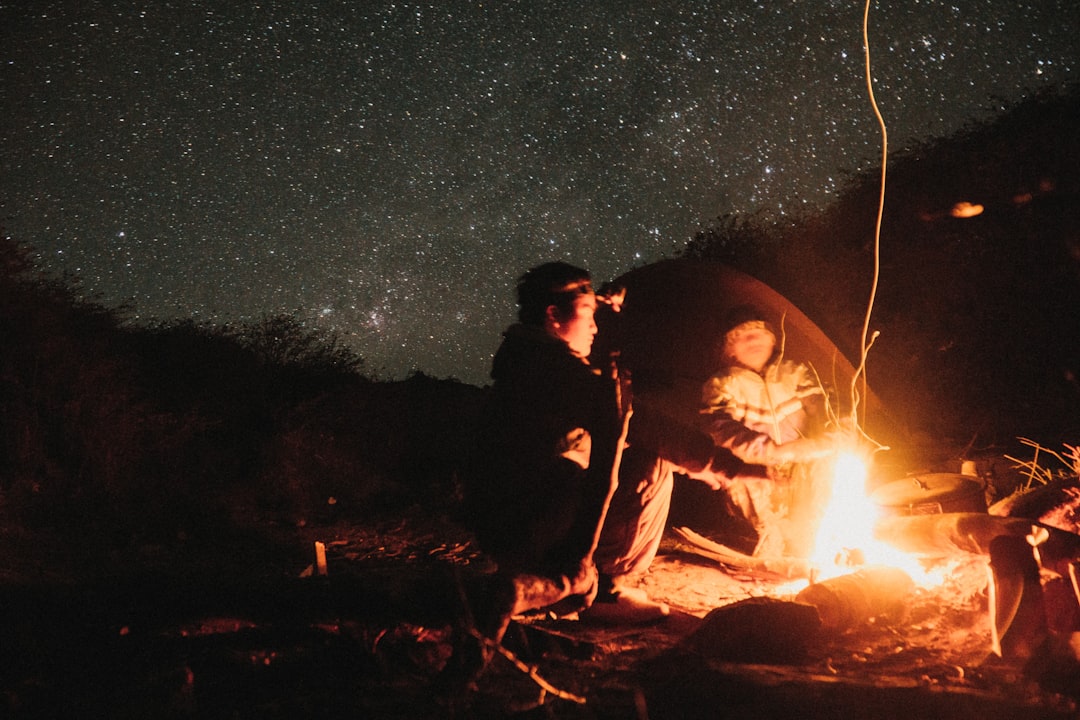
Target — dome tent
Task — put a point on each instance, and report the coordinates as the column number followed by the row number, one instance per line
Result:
column 666, row 333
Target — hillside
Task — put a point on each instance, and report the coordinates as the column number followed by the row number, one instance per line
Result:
column 116, row 437
column 978, row 302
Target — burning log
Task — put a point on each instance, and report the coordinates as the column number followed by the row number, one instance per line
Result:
column 948, row 534
column 848, row 601
column 1033, row 586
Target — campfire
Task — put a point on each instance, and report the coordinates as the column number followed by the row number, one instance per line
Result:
column 846, row 537
column 853, row 575
column 871, row 559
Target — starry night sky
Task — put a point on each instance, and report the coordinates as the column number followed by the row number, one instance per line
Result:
column 385, row 170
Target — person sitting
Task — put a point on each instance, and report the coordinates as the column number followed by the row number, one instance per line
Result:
column 769, row 411
column 572, row 486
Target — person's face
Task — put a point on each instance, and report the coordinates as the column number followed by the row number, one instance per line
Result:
column 579, row 328
column 752, row 347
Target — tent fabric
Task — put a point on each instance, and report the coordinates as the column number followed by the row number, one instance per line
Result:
column 666, row 333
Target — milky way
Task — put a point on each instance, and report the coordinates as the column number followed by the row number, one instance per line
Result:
column 385, row 170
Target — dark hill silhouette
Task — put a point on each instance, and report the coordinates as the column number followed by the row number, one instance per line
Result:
column 979, row 316
column 117, row 436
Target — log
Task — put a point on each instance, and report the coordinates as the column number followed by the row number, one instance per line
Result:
column 1056, row 504
column 851, row 600
column 948, row 534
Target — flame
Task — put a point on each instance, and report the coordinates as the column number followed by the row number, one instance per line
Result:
column 845, row 538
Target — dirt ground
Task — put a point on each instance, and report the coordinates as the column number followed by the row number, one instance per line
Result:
column 268, row 636
column 931, row 660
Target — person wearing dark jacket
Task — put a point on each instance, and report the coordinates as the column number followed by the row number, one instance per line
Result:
column 771, row 411
column 572, row 490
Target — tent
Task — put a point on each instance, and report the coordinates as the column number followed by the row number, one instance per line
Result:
column 667, row 329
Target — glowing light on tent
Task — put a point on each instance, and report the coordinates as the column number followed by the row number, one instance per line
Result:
column 966, row 210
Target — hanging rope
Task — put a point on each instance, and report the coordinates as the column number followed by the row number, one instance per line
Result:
column 864, row 343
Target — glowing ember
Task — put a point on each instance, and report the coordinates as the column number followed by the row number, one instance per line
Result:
column 966, row 210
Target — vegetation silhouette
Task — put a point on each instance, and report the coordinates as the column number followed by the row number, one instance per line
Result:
column 118, row 437
column 978, row 313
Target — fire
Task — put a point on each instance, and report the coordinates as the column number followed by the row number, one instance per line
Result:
column 845, row 538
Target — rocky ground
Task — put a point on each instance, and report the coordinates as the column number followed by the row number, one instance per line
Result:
column 252, row 629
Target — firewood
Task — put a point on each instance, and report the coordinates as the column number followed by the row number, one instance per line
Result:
column 851, row 600
column 783, row 567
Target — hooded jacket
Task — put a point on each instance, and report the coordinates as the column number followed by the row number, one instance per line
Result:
column 548, row 452
column 750, row 413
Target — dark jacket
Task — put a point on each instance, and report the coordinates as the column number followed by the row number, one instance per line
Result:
column 547, row 453
column 549, row 449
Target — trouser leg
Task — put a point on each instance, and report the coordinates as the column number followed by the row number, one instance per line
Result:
column 636, row 519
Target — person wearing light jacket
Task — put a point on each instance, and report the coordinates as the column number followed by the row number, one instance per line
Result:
column 769, row 411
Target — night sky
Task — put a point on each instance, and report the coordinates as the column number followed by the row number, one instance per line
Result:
column 385, row 170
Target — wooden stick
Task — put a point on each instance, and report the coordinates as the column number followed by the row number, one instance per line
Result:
column 787, row 567
column 531, row 671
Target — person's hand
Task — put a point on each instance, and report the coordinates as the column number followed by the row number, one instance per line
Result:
column 761, row 450
column 724, row 470
column 647, row 489
column 715, row 481
column 801, row 450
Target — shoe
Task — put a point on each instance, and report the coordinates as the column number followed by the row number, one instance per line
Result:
column 626, row 606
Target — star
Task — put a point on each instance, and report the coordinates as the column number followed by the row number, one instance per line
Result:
column 385, row 170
